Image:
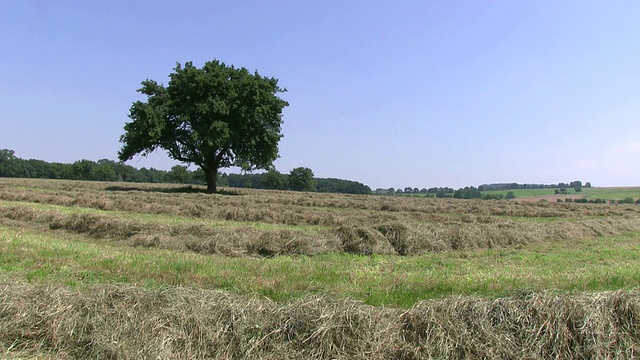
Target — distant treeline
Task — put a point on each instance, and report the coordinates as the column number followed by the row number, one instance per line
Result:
column 433, row 192
column 102, row 170
column 109, row 170
column 471, row 192
column 515, row 186
column 265, row 181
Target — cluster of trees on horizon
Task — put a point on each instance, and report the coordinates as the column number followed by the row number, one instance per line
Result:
column 468, row 192
column 515, row 186
column 299, row 179
column 471, row 192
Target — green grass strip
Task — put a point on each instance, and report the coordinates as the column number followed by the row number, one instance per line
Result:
column 592, row 265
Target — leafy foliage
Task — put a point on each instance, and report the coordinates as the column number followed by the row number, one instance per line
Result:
column 301, row 179
column 273, row 179
column 213, row 117
column 179, row 174
column 468, row 192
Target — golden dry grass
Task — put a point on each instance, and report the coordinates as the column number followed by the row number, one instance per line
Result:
column 126, row 322
column 268, row 223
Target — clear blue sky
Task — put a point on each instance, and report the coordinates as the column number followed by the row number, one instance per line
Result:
column 389, row 93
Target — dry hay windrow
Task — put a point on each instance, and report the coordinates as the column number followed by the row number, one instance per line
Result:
column 196, row 237
column 292, row 208
column 269, row 223
column 395, row 237
column 126, row 322
column 528, row 326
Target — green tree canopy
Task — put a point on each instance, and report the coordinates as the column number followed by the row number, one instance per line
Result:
column 215, row 117
column 179, row 174
column 82, row 169
column 273, row 179
column 301, row 179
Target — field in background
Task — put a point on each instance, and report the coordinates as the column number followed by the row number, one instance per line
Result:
column 613, row 193
column 606, row 193
column 119, row 270
column 528, row 192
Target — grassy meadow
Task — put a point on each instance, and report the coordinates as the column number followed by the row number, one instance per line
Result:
column 592, row 193
column 113, row 270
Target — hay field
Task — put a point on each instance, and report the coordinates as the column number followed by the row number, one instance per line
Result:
column 113, row 270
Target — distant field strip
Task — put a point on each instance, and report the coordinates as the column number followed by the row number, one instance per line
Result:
column 589, row 193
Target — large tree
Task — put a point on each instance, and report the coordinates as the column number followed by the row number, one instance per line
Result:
column 214, row 117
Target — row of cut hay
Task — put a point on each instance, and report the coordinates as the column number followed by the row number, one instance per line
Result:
column 50, row 185
column 413, row 239
column 245, row 210
column 528, row 326
column 199, row 237
column 126, row 322
column 296, row 208
column 385, row 238
column 509, row 234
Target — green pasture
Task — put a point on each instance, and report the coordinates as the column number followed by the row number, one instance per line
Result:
column 613, row 193
column 585, row 265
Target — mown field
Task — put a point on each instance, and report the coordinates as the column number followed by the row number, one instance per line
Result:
column 124, row 271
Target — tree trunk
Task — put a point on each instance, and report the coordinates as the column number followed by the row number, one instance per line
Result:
column 211, row 176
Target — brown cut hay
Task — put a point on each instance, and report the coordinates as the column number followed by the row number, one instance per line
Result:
column 527, row 326
column 98, row 226
column 272, row 223
column 326, row 327
column 127, row 322
column 363, row 241
column 401, row 237
column 280, row 243
column 397, row 235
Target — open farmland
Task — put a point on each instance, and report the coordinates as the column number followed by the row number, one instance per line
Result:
column 115, row 270
column 590, row 193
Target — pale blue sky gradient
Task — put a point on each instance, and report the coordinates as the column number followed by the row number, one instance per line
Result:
column 389, row 93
